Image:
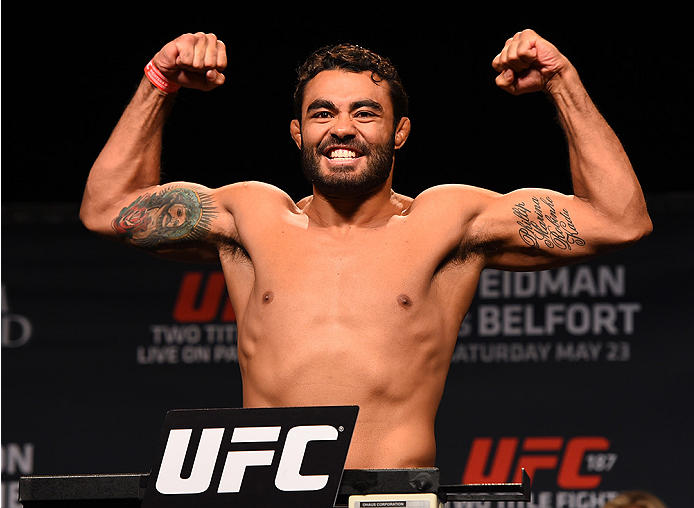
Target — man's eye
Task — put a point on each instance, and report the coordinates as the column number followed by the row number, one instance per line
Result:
column 322, row 114
column 365, row 114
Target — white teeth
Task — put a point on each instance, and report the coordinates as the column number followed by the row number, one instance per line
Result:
column 342, row 154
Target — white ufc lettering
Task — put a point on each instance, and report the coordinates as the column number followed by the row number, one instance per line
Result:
column 288, row 478
column 236, row 463
column 169, row 480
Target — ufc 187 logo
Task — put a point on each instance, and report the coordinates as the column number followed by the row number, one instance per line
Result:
column 236, row 462
column 578, row 461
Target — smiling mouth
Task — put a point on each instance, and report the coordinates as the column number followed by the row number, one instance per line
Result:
column 341, row 154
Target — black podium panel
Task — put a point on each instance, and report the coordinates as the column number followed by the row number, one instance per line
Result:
column 127, row 490
column 98, row 491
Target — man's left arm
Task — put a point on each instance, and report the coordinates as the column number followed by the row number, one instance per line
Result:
column 532, row 228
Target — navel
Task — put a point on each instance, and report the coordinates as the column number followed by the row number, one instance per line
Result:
column 267, row 296
column 404, row 300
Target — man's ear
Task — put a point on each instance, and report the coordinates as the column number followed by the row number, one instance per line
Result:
column 402, row 132
column 295, row 131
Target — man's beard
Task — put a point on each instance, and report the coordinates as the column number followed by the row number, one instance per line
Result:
column 344, row 180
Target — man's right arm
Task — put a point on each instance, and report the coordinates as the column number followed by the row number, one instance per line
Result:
column 123, row 197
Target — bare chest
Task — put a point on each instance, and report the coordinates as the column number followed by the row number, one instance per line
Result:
column 347, row 266
column 354, row 277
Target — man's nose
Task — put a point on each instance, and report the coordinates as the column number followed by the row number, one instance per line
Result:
column 343, row 127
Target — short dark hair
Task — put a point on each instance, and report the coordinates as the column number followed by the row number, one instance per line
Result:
column 352, row 58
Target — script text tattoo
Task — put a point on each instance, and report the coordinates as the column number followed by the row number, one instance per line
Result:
column 540, row 223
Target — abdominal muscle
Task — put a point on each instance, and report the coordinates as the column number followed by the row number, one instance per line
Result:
column 396, row 379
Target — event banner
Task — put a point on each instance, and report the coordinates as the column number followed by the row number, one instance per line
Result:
column 580, row 375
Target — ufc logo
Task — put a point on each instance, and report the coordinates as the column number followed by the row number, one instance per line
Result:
column 546, row 453
column 235, row 463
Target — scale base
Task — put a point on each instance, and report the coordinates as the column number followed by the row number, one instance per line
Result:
column 395, row 501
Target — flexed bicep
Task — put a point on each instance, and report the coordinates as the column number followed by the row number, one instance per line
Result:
column 165, row 216
column 535, row 229
column 542, row 225
column 181, row 221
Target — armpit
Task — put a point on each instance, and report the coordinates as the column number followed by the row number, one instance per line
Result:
column 463, row 253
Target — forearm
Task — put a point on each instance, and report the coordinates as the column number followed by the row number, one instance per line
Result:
column 601, row 171
column 131, row 158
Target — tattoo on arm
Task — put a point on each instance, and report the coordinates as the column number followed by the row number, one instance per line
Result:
column 174, row 214
column 540, row 223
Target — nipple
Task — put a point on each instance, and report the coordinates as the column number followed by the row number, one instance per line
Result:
column 267, row 296
column 404, row 300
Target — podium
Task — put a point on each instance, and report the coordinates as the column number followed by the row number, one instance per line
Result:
column 127, row 490
column 230, row 442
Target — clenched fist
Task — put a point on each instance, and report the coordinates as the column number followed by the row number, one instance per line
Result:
column 528, row 63
column 193, row 61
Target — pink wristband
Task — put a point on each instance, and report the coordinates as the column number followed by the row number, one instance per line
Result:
column 159, row 80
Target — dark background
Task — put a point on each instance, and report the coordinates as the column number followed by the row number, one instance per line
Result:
column 68, row 74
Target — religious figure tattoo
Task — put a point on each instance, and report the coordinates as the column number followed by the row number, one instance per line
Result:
column 541, row 224
column 174, row 214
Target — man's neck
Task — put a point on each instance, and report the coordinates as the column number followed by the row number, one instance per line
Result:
column 369, row 210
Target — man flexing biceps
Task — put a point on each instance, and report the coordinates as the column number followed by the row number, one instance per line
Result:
column 355, row 294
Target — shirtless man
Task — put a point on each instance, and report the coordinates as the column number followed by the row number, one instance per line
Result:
column 355, row 294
